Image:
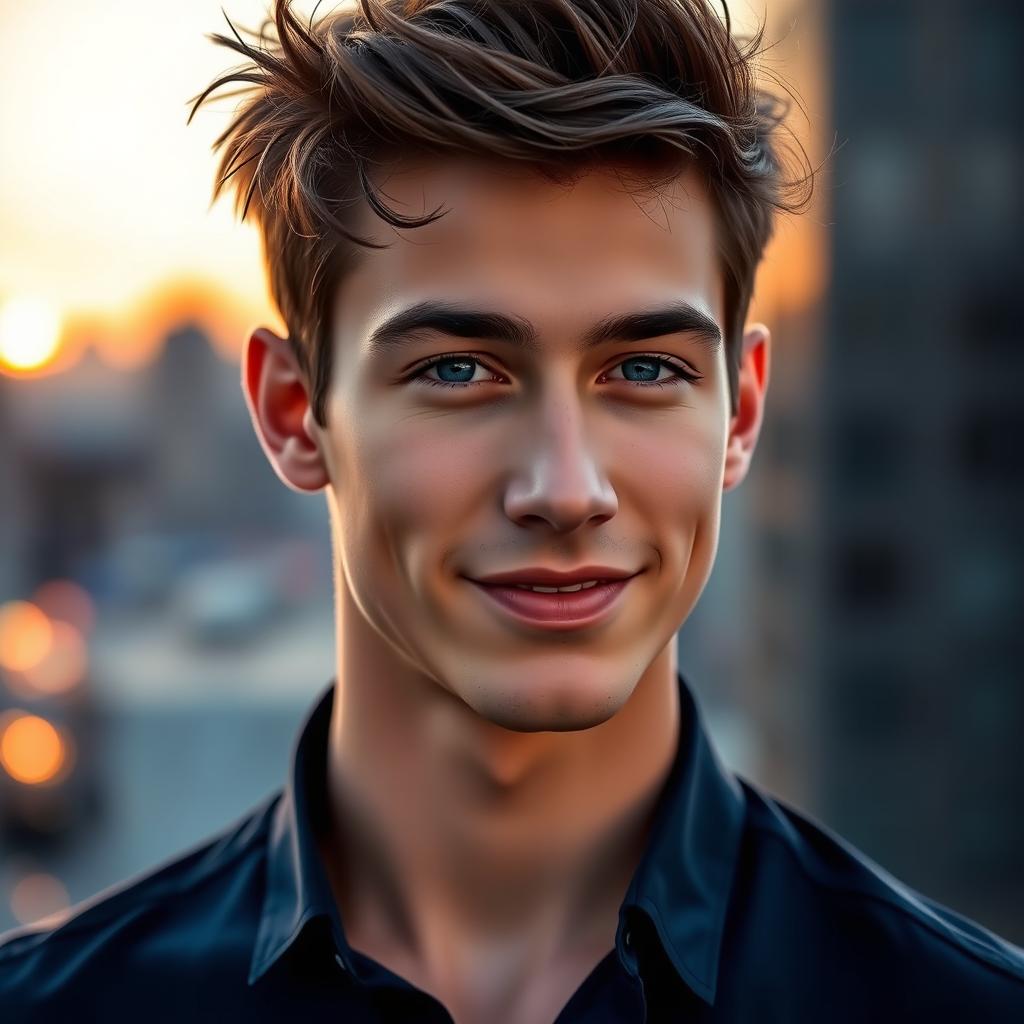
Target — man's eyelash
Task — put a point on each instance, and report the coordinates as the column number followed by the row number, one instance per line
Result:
column 680, row 372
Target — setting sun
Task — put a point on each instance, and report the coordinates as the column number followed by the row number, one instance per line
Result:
column 29, row 333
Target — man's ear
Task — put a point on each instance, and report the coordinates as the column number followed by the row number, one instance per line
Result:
column 275, row 393
column 745, row 426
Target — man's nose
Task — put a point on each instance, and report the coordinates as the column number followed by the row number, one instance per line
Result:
column 557, row 472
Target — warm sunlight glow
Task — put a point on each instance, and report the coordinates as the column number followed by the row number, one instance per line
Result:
column 26, row 635
column 31, row 749
column 29, row 333
column 106, row 189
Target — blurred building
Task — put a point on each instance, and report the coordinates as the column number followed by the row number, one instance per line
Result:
column 863, row 622
column 104, row 454
column 921, row 477
column 194, row 411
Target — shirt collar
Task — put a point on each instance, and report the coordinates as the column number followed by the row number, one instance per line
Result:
column 682, row 883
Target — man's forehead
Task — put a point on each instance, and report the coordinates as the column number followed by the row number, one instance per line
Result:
column 480, row 194
column 518, row 242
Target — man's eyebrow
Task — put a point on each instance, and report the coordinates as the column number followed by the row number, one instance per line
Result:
column 449, row 318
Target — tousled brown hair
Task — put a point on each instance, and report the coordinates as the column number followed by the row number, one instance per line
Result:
column 557, row 83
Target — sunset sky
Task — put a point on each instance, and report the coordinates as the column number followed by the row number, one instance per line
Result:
column 104, row 190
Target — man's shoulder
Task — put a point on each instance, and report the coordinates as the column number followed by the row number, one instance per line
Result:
column 863, row 923
column 150, row 923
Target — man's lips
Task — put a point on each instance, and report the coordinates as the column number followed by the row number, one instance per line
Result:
column 543, row 576
column 560, row 610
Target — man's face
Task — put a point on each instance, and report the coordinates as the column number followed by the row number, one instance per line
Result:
column 559, row 455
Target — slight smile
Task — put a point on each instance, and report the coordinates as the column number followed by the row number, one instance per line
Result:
column 561, row 610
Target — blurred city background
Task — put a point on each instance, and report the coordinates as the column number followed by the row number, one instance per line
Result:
column 165, row 602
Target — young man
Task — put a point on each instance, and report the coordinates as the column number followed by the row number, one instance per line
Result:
column 505, row 808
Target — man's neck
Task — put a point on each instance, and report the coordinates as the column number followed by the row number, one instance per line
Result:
column 459, row 849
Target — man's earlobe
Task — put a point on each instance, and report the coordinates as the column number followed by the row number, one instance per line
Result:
column 279, row 405
column 752, row 385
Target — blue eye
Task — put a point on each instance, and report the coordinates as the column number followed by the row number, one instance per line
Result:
column 653, row 365
column 649, row 364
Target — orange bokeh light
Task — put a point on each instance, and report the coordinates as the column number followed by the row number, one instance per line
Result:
column 66, row 601
column 26, row 635
column 37, row 896
column 64, row 666
column 32, row 750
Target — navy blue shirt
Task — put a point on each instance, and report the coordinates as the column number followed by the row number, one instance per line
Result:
column 742, row 909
